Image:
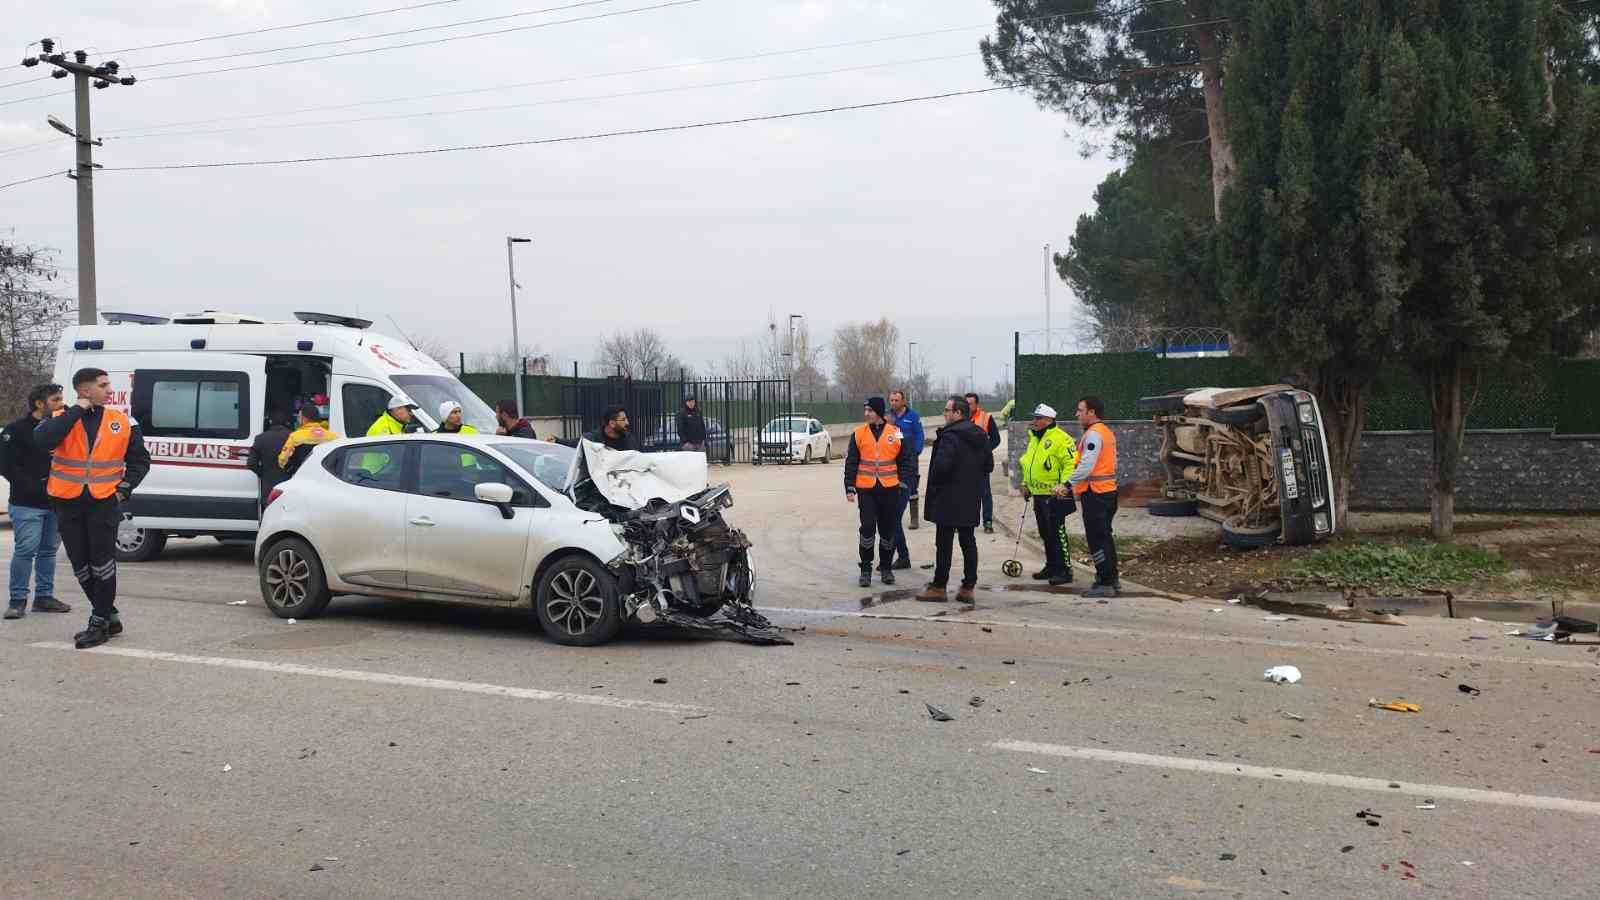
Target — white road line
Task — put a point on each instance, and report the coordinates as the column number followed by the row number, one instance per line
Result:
column 1180, row 636
column 1298, row 776
column 438, row 684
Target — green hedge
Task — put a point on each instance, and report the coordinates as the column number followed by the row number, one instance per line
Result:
column 1555, row 393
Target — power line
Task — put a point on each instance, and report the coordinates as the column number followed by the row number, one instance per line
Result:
column 1182, row 27
column 9, row 150
column 880, row 104
column 33, row 179
column 373, row 37
column 548, row 102
column 442, row 40
column 347, row 18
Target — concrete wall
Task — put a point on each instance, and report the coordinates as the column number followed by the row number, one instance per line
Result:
column 1500, row 470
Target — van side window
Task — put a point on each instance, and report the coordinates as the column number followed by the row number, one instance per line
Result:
column 176, row 403
column 363, row 404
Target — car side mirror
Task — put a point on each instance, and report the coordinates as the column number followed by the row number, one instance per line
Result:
column 497, row 495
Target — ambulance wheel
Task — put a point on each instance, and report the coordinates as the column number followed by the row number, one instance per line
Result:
column 136, row 545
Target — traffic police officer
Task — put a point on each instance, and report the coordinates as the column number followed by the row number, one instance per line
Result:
column 1045, row 465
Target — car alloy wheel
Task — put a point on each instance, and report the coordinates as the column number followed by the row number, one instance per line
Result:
column 288, row 578
column 292, row 581
column 576, row 604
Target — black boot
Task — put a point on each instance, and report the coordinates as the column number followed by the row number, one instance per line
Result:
column 114, row 624
column 94, row 634
column 1044, row 574
column 886, row 576
column 903, row 562
column 913, row 506
column 1061, row 578
column 866, row 578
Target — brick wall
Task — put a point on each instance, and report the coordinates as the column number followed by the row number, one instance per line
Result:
column 1499, row 470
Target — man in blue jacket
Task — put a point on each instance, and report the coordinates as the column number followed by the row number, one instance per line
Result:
column 910, row 425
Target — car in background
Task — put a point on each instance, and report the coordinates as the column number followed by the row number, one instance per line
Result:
column 719, row 446
column 503, row 523
column 794, row 438
column 1254, row 460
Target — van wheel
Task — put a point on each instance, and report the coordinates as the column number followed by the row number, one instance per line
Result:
column 1166, row 507
column 1239, row 536
column 1236, row 416
column 577, row 603
column 135, row 545
column 293, row 585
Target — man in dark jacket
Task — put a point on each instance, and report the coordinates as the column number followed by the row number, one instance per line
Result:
column 34, row 531
column 955, row 477
column 692, row 426
column 263, row 456
column 878, row 472
column 511, row 424
column 985, row 422
column 613, row 431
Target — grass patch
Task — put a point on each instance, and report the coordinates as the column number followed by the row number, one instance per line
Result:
column 1400, row 566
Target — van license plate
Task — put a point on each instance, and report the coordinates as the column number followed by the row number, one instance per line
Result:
column 1291, row 488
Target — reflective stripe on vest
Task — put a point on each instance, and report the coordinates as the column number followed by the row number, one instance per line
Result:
column 1103, row 477
column 981, row 419
column 878, row 466
column 74, row 465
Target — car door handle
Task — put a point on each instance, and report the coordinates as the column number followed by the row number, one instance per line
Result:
column 422, row 521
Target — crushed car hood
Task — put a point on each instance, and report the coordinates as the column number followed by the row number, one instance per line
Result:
column 1215, row 398
column 631, row 479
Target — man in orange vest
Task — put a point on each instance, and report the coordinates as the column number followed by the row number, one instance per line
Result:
column 878, row 469
column 1094, row 482
column 985, row 421
column 97, row 458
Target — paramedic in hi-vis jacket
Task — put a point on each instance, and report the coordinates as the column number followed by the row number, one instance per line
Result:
column 97, row 458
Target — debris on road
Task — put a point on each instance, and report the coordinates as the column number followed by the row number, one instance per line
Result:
column 1235, row 600
column 1370, row 817
column 317, row 867
column 1292, row 716
column 1282, row 675
column 901, row 852
column 661, row 679
column 237, row 602
column 1427, row 804
column 1227, row 857
column 1468, row 689
column 227, row 767
column 937, row 714
column 293, row 621
column 975, row 702
column 1277, row 619
column 1395, row 705
column 1037, row 771
column 1347, row 848
column 1008, row 662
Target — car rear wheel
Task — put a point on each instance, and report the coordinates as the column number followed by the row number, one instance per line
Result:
column 577, row 603
column 293, row 584
column 1240, row 536
column 136, row 545
column 1168, row 507
column 807, row 458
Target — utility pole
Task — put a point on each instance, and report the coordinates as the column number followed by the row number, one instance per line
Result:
column 516, row 342
column 972, row 374
column 1048, row 265
column 103, row 75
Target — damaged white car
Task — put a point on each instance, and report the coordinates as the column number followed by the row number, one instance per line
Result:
column 591, row 539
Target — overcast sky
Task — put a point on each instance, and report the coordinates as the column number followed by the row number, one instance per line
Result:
column 934, row 214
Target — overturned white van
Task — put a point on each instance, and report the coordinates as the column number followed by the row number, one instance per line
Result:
column 201, row 386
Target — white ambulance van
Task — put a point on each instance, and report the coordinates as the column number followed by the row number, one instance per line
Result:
column 201, row 387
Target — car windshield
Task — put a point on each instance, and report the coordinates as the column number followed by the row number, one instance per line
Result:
column 783, row 426
column 428, row 391
column 549, row 463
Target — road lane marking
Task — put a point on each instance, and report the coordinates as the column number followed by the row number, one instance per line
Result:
column 1178, row 636
column 1300, row 776
column 438, row 684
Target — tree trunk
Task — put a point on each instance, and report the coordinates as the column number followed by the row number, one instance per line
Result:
column 1445, row 383
column 1344, row 418
column 1222, row 163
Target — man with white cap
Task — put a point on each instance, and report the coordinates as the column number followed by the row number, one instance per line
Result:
column 396, row 419
column 450, row 419
column 1045, row 467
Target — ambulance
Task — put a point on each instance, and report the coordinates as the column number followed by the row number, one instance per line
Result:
column 201, row 387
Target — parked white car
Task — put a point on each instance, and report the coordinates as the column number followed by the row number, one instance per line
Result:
column 511, row 523
column 797, row 438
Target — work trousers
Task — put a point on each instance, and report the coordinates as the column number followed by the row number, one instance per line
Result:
column 1098, row 511
column 89, row 534
column 878, row 508
column 899, row 516
column 35, row 537
column 944, row 538
column 986, row 499
column 1050, row 514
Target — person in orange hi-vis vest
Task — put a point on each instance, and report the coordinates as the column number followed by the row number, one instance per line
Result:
column 878, row 469
column 97, row 459
column 1094, row 482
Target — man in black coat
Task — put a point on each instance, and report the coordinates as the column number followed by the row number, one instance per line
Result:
column 263, row 456
column 960, row 465
column 692, row 426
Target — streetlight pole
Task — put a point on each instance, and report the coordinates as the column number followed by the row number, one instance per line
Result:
column 103, row 75
column 911, row 364
column 792, row 317
column 1048, row 261
column 516, row 342
column 972, row 378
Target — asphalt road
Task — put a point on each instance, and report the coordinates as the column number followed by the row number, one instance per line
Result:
column 1125, row 749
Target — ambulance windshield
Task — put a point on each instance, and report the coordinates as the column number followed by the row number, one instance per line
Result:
column 428, row 391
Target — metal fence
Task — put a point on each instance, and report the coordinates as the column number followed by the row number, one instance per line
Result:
column 735, row 411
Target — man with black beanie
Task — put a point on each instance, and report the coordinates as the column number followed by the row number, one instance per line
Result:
column 878, row 469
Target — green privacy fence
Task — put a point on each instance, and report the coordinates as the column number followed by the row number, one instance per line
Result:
column 1558, row 394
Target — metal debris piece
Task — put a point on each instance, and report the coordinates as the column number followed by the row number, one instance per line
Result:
column 1292, row 716
column 937, row 714
column 1468, row 689
column 1395, row 705
column 732, row 622
column 975, row 702
column 1037, row 771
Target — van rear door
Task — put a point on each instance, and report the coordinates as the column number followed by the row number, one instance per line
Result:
column 199, row 413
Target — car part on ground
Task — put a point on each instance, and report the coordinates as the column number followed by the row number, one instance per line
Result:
column 1254, row 460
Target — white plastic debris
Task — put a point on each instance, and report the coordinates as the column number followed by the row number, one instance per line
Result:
column 226, row 767
column 1478, row 620
column 1236, row 600
column 1294, row 717
column 1037, row 771
column 1428, row 806
column 1282, row 675
column 1276, row 619
column 237, row 602
column 1218, row 609
column 291, row 621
